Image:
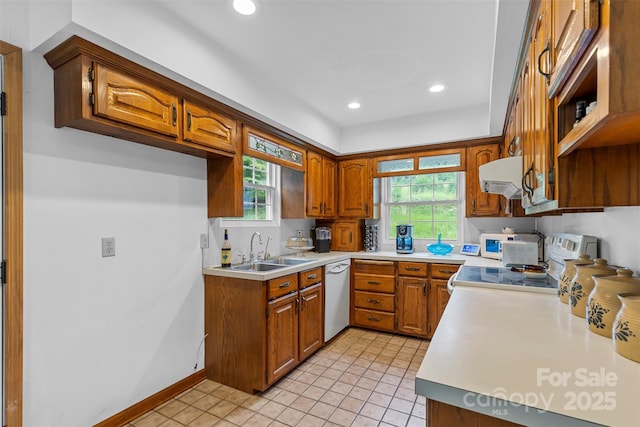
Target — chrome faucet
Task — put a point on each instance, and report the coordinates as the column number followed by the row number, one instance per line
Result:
column 267, row 255
column 251, row 255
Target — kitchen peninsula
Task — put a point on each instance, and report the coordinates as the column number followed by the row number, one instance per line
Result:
column 522, row 357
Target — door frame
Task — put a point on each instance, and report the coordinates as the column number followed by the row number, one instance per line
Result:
column 14, row 234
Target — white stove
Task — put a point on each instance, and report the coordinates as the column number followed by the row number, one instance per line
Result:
column 559, row 247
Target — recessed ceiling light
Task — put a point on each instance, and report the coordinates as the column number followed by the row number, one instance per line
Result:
column 244, row 7
column 353, row 105
column 436, row 88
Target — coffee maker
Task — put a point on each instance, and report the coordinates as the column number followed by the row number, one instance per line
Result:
column 404, row 239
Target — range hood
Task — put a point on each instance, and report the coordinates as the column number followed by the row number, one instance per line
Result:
column 502, row 176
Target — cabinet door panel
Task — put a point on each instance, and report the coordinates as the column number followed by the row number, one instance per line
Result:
column 205, row 127
column 125, row 99
column 354, row 178
column 438, row 299
column 314, row 184
column 282, row 339
column 329, row 180
column 478, row 202
column 412, row 306
column 311, row 320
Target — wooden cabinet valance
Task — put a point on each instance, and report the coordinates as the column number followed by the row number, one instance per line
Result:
column 268, row 147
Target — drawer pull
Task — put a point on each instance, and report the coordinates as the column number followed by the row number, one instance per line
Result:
column 412, row 268
column 447, row 271
column 312, row 276
column 371, row 282
column 373, row 319
column 284, row 285
column 373, row 301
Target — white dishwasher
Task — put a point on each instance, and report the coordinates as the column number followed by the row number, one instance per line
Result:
column 336, row 300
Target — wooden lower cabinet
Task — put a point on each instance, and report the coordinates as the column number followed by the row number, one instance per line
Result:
column 258, row 331
column 412, row 306
column 444, row 415
column 373, row 294
column 438, row 293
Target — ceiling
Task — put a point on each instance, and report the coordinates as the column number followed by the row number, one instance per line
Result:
column 382, row 53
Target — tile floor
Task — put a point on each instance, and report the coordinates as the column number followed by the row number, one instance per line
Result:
column 362, row 378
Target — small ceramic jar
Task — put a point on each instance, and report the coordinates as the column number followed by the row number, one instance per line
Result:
column 582, row 284
column 626, row 327
column 603, row 303
column 567, row 275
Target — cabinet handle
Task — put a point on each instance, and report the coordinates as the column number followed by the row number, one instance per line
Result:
column 473, row 205
column 412, row 268
column 350, row 237
column 511, row 149
column 189, row 120
column 373, row 301
column 297, row 303
column 371, row 282
column 424, row 288
column 284, row 285
column 545, row 50
column 312, row 276
column 174, row 114
column 373, row 319
column 302, row 305
column 447, row 271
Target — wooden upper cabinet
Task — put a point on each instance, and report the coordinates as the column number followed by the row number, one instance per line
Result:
column 355, row 189
column 575, row 22
column 321, row 186
column 205, row 127
column 479, row 203
column 120, row 97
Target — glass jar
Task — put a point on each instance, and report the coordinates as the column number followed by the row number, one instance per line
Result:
column 603, row 303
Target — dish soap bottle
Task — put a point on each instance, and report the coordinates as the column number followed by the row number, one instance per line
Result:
column 225, row 251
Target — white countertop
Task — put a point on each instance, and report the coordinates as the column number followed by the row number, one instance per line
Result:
column 320, row 259
column 510, row 346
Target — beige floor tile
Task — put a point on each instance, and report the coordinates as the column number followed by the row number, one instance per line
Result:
column 408, row 382
column 342, row 388
column 317, row 369
column 313, row 392
column 406, row 394
column 191, row 396
column 373, row 374
column 297, row 387
column 394, row 370
column 322, row 410
column 254, row 403
column 171, row 408
column 187, row 415
column 272, row 409
column 401, row 405
column 311, row 421
column 224, row 423
column 271, row 393
column 361, row 393
column 222, row 408
column 356, row 370
column 364, row 363
column 378, row 398
column 204, row 420
column 207, row 402
column 380, row 367
column 238, row 397
column 332, row 398
column 154, row 419
column 384, row 360
column 419, row 411
column 258, row 420
column 349, row 378
column 324, row 383
column 373, row 411
column 290, row 416
column 307, row 378
column 207, row 386
column 395, row 418
column 239, row 416
column 385, row 388
column 391, row 379
column 362, row 421
column 334, row 374
column 415, row 422
column 171, row 423
column 223, row 391
column 351, row 404
column 285, row 397
column 303, row 404
column 342, row 417
column 340, row 366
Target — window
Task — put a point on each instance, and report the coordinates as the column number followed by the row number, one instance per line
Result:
column 432, row 203
column 260, row 193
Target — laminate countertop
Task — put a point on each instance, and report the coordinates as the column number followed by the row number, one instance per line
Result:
column 525, row 358
column 321, row 259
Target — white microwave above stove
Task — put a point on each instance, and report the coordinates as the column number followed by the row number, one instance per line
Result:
column 491, row 243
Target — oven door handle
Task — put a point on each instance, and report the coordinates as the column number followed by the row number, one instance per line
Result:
column 450, row 285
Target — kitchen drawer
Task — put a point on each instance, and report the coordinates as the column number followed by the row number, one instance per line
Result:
column 310, row 277
column 375, row 319
column 374, row 301
column 415, row 269
column 366, row 266
column 283, row 285
column 375, row 283
column 443, row 271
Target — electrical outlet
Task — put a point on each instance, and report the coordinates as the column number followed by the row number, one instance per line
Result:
column 108, row 246
column 204, row 241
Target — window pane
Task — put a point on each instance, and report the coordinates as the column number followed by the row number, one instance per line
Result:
column 449, row 230
column 401, row 194
column 400, row 180
column 422, row 213
column 422, row 230
column 426, row 178
column 445, row 212
column 444, row 192
column 399, row 213
column 421, row 193
column 442, row 161
column 395, row 165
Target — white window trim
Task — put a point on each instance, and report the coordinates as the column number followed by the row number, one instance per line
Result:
column 419, row 244
column 274, row 171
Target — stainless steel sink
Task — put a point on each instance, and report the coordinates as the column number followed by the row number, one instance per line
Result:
column 258, row 266
column 288, row 261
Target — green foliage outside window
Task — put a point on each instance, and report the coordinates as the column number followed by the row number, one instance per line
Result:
column 429, row 202
column 258, row 189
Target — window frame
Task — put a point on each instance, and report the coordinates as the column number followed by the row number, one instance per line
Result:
column 274, row 174
column 385, row 214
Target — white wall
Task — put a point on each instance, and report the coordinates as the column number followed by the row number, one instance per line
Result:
column 617, row 230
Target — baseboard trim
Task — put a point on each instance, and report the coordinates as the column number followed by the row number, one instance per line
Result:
column 144, row 406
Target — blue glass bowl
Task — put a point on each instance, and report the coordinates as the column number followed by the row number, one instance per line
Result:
column 439, row 248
